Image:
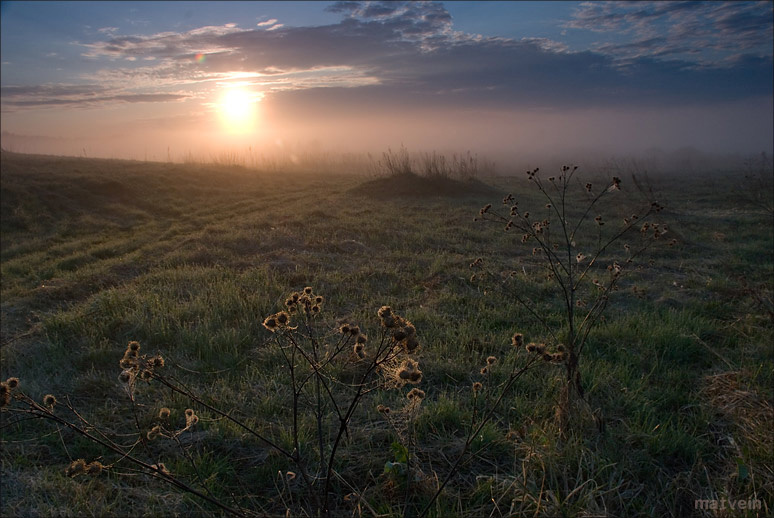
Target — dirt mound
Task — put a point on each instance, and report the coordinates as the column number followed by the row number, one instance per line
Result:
column 413, row 185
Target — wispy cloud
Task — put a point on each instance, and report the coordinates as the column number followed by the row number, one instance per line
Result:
column 76, row 95
column 705, row 33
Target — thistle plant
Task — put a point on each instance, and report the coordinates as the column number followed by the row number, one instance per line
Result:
column 329, row 373
column 582, row 253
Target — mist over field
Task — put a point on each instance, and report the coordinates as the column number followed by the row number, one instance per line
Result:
column 520, row 84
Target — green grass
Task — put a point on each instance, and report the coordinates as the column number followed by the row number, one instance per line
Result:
column 189, row 260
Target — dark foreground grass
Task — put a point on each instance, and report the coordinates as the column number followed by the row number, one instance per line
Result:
column 189, row 260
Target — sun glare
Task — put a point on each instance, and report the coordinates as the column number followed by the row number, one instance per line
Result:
column 237, row 109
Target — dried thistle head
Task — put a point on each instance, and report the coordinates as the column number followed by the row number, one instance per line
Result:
column 491, row 360
column 517, row 340
column 308, row 290
column 157, row 361
column 415, row 394
column 477, row 386
column 76, row 467
column 49, row 400
column 270, row 323
column 344, row 329
column 164, row 413
column 161, row 468
column 411, row 344
column 12, row 383
column 94, row 468
column 133, row 346
column 153, row 432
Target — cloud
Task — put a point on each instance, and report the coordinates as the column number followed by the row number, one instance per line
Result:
column 407, row 55
column 705, row 33
column 75, row 95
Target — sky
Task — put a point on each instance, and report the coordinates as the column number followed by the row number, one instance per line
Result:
column 163, row 80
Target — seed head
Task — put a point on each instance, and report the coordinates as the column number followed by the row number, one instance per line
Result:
column 94, row 468
column 485, row 209
column 164, row 413
column 308, row 290
column 153, row 432
column 344, row 329
column 133, row 346
column 415, row 393
column 161, row 468
column 318, row 299
column 49, row 400
column 190, row 418
column 491, row 360
column 76, row 467
column 517, row 340
column 12, row 383
column 125, row 376
column 477, row 386
column 354, row 330
column 411, row 344
column 484, row 371
column 146, row 375
column 157, row 361
column 532, row 347
column 270, row 323
column 384, row 311
column 282, row 318
column 382, row 409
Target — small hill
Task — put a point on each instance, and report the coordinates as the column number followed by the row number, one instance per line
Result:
column 414, row 185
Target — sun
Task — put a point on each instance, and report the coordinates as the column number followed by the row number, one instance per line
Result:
column 237, row 109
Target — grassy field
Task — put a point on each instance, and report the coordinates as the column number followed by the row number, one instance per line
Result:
column 189, row 260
